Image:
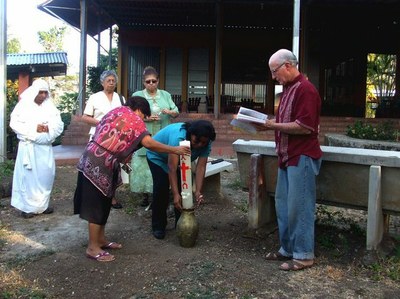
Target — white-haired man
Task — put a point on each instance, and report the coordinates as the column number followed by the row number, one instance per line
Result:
column 296, row 134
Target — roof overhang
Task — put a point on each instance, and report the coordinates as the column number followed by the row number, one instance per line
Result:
column 37, row 64
column 236, row 14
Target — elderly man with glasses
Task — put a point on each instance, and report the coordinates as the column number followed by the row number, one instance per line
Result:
column 296, row 129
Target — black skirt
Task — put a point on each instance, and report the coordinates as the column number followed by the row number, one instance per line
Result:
column 90, row 203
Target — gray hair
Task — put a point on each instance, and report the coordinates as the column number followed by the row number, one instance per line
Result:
column 284, row 55
column 108, row 73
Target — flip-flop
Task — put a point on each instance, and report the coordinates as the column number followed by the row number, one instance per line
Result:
column 101, row 257
column 294, row 266
column 276, row 256
column 112, row 245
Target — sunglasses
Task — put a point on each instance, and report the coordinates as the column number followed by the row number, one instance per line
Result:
column 151, row 81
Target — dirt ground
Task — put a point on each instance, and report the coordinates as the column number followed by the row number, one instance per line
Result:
column 46, row 255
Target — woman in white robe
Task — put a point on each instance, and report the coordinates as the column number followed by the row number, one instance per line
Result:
column 37, row 123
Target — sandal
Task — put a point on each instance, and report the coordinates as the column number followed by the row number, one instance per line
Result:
column 294, row 266
column 101, row 257
column 112, row 245
column 276, row 256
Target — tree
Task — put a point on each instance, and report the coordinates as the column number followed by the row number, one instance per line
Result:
column 381, row 74
column 53, row 39
column 94, row 72
column 13, row 46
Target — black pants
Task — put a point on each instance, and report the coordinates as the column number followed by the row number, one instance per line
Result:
column 160, row 201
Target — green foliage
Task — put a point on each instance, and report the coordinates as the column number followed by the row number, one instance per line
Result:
column 381, row 73
column 386, row 267
column 13, row 46
column 12, row 100
column 330, row 217
column 94, row 84
column 53, row 39
column 67, row 106
column 66, row 118
column 94, row 72
column 104, row 63
column 68, row 102
column 382, row 131
column 6, row 169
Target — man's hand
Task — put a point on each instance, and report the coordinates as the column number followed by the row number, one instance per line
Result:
column 268, row 125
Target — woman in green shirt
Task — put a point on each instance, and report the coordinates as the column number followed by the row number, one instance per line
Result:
column 163, row 109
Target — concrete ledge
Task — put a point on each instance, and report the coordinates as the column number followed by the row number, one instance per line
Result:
column 212, row 178
column 330, row 153
column 342, row 140
column 349, row 177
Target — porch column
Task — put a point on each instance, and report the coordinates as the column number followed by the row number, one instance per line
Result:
column 82, row 60
column 397, row 76
column 296, row 27
column 218, row 52
column 3, row 78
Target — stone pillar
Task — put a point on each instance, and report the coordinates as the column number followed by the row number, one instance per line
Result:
column 375, row 216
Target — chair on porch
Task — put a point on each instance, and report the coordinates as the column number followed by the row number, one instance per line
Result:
column 177, row 98
column 210, row 103
column 193, row 104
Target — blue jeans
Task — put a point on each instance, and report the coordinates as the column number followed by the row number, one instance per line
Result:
column 295, row 208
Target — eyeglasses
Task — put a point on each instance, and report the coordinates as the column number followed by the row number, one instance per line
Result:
column 273, row 71
column 151, row 81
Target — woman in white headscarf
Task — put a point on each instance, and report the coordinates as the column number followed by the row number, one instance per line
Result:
column 37, row 123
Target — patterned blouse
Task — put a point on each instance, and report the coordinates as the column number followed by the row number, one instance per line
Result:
column 117, row 136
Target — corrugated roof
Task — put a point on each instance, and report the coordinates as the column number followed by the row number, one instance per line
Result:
column 21, row 59
column 37, row 64
column 236, row 14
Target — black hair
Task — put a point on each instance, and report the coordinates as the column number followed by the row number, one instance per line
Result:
column 139, row 103
column 200, row 128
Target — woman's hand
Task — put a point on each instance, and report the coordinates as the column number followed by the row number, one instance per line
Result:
column 182, row 150
column 178, row 202
column 154, row 117
column 199, row 198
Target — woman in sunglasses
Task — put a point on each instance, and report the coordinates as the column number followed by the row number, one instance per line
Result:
column 163, row 109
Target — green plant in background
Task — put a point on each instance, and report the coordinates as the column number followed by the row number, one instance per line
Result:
column 94, row 72
column 6, row 169
column 67, row 106
column 383, row 131
column 12, row 100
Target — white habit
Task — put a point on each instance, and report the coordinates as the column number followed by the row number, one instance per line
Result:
column 35, row 166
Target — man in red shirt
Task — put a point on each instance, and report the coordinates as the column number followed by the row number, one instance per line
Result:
column 299, row 154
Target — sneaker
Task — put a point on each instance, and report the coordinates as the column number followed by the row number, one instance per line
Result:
column 159, row 234
column 27, row 215
column 49, row 210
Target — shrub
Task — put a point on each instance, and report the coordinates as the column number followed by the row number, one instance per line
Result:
column 67, row 106
column 6, row 169
column 384, row 131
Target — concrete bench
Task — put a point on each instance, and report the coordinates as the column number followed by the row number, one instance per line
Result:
column 349, row 177
column 212, row 178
